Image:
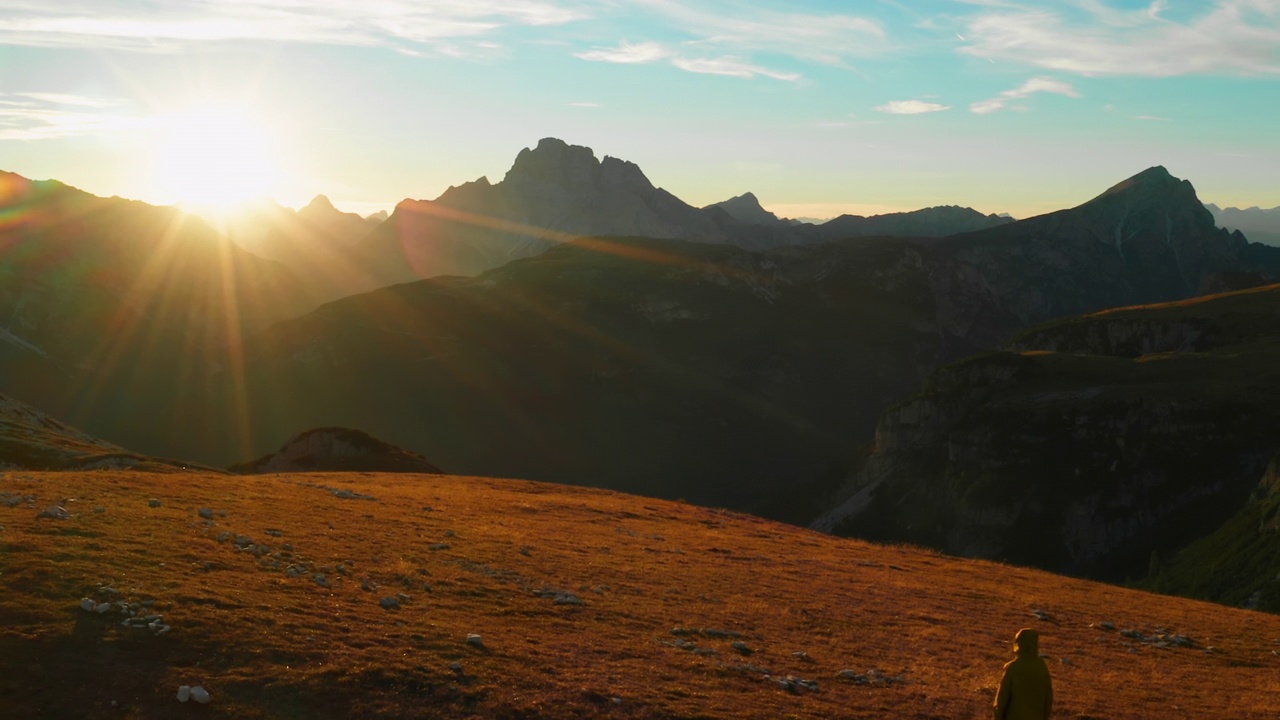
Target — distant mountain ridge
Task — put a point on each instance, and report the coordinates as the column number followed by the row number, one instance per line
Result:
column 557, row 192
column 1257, row 224
column 746, row 207
column 927, row 222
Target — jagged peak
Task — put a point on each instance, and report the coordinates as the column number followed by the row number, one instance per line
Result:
column 552, row 157
column 1153, row 177
column 320, row 202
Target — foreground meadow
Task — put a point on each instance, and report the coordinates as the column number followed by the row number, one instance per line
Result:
column 421, row 596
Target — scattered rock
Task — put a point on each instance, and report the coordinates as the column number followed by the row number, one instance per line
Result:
column 206, row 513
column 802, row 656
column 403, row 597
column 320, row 579
column 153, row 502
column 795, row 685
column 742, row 647
column 475, row 640
column 438, row 546
column 87, row 604
column 200, row 695
column 870, row 677
column 389, row 603
column 184, row 693
column 456, row 667
column 102, row 608
column 346, row 494
column 559, row 597
column 99, row 510
column 1040, row 614
column 57, row 512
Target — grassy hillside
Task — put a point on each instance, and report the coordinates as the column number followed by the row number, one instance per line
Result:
column 31, row 440
column 588, row 603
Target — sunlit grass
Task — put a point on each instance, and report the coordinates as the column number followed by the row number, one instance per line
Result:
column 270, row 645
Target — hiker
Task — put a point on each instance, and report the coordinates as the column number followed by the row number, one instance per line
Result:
column 1025, row 690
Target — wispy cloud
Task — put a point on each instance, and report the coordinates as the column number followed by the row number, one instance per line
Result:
column 650, row 52
column 1091, row 37
column 732, row 67
column 1028, row 88
column 645, row 52
column 1152, row 118
column 45, row 116
column 121, row 24
column 744, row 27
column 910, row 107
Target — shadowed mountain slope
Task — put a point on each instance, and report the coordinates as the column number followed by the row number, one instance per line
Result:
column 427, row 596
column 317, row 243
column 1237, row 564
column 661, row 367
column 111, row 308
column 1086, row 445
column 31, row 440
column 691, row 370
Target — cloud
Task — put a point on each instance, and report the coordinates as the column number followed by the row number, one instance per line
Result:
column 731, row 67
column 1152, row 118
column 1028, row 88
column 45, row 116
column 744, row 28
column 627, row 53
column 650, row 52
column 176, row 23
column 1090, row 37
column 910, row 107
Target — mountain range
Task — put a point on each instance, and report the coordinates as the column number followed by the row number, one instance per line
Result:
column 579, row 325
column 1260, row 225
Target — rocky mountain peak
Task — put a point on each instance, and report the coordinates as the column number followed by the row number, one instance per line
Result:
column 319, row 203
column 746, row 208
column 554, row 162
column 1153, row 197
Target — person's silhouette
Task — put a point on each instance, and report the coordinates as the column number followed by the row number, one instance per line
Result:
column 1026, row 692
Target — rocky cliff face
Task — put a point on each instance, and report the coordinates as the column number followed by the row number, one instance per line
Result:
column 1088, row 444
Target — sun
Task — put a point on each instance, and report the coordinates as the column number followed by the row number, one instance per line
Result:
column 213, row 157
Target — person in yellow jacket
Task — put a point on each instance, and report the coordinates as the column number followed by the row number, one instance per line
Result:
column 1025, row 690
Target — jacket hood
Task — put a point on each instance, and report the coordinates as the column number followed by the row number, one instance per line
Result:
column 1027, row 642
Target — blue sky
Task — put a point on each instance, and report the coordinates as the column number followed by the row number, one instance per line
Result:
column 818, row 107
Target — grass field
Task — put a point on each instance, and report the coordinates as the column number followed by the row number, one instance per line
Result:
column 574, row 593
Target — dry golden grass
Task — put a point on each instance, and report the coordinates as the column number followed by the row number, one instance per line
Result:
column 268, row 645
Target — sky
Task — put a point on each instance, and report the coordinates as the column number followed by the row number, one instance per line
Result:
column 818, row 107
